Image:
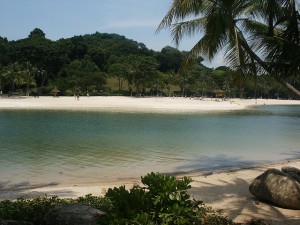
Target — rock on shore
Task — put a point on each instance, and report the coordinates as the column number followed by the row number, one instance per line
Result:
column 277, row 187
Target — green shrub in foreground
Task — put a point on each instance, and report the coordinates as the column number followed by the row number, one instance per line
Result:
column 31, row 210
column 163, row 200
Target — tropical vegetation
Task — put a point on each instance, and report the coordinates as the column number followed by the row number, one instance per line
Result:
column 110, row 64
column 162, row 200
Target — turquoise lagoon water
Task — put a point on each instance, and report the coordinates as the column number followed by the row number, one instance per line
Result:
column 71, row 147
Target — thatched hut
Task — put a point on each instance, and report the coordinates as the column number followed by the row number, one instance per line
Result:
column 219, row 93
column 55, row 92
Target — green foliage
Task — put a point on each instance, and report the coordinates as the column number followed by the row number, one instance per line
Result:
column 211, row 217
column 250, row 28
column 32, row 210
column 37, row 33
column 98, row 202
column 88, row 63
column 169, row 197
column 126, row 204
column 163, row 200
column 170, row 59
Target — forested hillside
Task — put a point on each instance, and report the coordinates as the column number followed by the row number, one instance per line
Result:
column 110, row 64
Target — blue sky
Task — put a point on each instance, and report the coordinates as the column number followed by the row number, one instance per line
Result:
column 135, row 19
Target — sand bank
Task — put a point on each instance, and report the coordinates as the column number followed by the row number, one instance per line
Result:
column 133, row 104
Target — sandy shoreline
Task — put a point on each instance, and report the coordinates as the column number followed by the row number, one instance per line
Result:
column 227, row 190
column 132, row 104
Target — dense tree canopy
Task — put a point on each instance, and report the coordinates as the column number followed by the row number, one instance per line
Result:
column 102, row 63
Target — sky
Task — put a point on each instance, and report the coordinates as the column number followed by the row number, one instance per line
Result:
column 134, row 19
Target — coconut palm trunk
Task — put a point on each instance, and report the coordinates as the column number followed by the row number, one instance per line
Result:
column 246, row 28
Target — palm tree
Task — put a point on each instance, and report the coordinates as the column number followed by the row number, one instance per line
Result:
column 28, row 75
column 278, row 37
column 132, row 71
column 13, row 73
column 257, row 34
column 43, row 75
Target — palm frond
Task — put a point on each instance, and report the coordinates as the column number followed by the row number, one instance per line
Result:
column 179, row 10
column 187, row 28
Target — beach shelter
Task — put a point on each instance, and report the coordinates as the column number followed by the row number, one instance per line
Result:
column 55, row 92
column 219, row 93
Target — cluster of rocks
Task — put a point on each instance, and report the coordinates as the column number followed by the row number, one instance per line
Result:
column 282, row 188
column 70, row 214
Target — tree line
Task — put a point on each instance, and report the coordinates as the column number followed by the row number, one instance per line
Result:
column 111, row 64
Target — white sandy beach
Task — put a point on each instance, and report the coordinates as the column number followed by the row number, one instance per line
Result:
column 227, row 190
column 133, row 104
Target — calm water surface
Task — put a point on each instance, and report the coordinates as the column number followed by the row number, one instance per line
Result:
column 76, row 147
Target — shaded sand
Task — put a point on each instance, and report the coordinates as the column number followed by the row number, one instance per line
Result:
column 229, row 191
column 226, row 190
column 132, row 104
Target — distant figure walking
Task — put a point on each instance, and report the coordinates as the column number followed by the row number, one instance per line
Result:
column 78, row 97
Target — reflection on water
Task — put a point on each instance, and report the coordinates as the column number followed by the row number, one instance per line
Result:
column 75, row 147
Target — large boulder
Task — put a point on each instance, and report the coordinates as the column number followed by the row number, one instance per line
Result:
column 277, row 187
column 73, row 214
column 292, row 171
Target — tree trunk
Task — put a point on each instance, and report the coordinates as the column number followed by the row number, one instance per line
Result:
column 288, row 86
column 119, row 83
column 27, row 89
column 267, row 68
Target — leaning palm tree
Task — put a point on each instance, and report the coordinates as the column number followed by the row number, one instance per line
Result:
column 276, row 36
column 257, row 34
